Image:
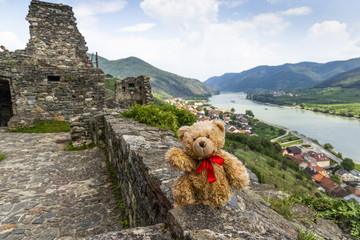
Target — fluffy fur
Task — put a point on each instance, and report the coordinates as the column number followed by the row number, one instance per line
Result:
column 200, row 141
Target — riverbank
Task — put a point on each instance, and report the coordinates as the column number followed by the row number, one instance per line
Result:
column 340, row 132
column 343, row 109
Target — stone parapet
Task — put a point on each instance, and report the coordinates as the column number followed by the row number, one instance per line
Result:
column 137, row 154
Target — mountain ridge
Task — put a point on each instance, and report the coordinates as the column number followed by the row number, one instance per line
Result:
column 281, row 77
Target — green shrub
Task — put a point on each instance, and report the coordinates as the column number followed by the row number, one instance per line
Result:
column 70, row 147
column 2, row 156
column 165, row 116
column 45, row 127
column 305, row 235
column 337, row 209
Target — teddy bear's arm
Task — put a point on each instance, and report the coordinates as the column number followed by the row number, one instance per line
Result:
column 235, row 171
column 178, row 160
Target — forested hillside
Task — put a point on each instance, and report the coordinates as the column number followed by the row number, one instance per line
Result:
column 164, row 84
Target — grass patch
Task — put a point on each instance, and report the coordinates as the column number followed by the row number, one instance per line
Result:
column 305, row 235
column 45, row 127
column 283, row 175
column 357, row 167
column 283, row 207
column 288, row 144
column 288, row 138
column 2, row 156
column 70, row 147
column 264, row 130
column 125, row 222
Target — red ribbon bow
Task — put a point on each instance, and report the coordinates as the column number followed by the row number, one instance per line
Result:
column 209, row 168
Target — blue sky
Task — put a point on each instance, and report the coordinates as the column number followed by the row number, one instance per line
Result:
column 205, row 38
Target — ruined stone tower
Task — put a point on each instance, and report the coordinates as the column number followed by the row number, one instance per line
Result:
column 52, row 78
column 133, row 90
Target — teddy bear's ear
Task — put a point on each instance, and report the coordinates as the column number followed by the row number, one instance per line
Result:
column 182, row 131
column 219, row 124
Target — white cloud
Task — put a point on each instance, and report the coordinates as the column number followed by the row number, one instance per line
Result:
column 86, row 12
column 330, row 40
column 232, row 3
column 141, row 27
column 11, row 41
column 327, row 28
column 91, row 8
column 270, row 23
column 185, row 13
column 297, row 11
column 273, row 1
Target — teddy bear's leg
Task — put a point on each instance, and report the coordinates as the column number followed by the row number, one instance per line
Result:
column 183, row 192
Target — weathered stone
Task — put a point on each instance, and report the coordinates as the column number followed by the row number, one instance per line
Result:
column 133, row 90
column 52, row 78
column 47, row 192
column 155, row 232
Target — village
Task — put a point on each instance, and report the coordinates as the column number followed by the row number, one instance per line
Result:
column 328, row 176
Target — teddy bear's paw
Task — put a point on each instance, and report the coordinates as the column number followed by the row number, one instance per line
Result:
column 178, row 160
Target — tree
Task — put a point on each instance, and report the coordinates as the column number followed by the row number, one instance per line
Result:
column 206, row 111
column 348, row 164
column 249, row 113
column 232, row 110
column 328, row 146
column 221, row 115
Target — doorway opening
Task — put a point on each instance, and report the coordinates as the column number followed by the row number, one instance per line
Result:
column 5, row 102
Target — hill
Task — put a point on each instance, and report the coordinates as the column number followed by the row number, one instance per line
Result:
column 349, row 79
column 283, row 77
column 164, row 84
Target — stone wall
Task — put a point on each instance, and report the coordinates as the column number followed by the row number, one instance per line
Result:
column 137, row 151
column 133, row 90
column 52, row 78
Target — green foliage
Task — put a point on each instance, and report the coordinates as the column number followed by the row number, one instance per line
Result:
column 288, row 138
column 346, row 110
column 305, row 235
column 348, row 164
column 232, row 110
column 249, row 113
column 166, row 116
column 2, row 156
column 117, row 193
column 70, row 147
column 283, row 207
column 275, row 170
column 264, row 130
column 335, row 179
column 357, row 167
column 46, row 127
column 328, row 146
column 346, row 213
column 288, row 144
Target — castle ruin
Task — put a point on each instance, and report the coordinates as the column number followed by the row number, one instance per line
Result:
column 133, row 90
column 52, row 78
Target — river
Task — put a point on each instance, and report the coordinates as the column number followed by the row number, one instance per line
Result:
column 342, row 133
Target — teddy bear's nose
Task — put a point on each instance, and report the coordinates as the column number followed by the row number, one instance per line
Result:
column 202, row 144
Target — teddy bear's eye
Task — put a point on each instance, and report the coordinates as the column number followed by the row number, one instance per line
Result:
column 194, row 139
column 208, row 136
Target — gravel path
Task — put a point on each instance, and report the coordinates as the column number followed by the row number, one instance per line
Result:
column 49, row 193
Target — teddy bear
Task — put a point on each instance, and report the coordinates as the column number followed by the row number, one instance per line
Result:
column 209, row 172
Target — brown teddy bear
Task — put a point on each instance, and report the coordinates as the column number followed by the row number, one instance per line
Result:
column 209, row 171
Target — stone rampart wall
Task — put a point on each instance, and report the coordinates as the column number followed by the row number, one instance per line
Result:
column 137, row 153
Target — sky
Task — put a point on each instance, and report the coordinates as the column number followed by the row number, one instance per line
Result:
column 205, row 38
